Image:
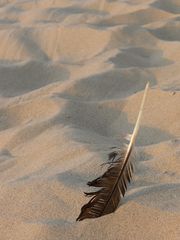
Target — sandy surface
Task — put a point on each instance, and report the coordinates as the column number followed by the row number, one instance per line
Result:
column 72, row 74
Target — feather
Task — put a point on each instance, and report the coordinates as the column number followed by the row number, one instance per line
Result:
column 113, row 183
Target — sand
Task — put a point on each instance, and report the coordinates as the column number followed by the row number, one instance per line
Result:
column 72, row 74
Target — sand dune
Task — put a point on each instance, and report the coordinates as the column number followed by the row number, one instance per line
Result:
column 72, row 75
column 167, row 5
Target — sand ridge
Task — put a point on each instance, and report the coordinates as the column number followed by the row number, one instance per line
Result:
column 72, row 75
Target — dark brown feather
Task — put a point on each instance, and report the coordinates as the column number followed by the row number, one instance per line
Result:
column 113, row 183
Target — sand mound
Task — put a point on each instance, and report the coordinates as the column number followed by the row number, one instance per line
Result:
column 139, row 17
column 72, row 75
column 172, row 6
